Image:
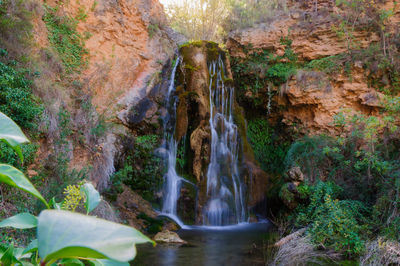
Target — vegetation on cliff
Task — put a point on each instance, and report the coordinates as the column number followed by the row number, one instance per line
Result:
column 348, row 194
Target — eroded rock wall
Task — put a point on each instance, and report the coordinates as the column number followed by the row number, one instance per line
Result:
column 130, row 54
column 310, row 99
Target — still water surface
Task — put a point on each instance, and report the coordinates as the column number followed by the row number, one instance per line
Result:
column 236, row 245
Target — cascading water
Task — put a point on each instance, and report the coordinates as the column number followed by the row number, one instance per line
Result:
column 172, row 181
column 226, row 204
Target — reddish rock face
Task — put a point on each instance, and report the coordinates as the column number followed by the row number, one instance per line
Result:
column 311, row 99
column 128, row 41
column 129, row 44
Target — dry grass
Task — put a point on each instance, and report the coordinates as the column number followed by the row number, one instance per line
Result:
column 380, row 252
column 298, row 250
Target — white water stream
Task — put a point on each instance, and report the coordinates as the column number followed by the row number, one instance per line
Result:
column 226, row 203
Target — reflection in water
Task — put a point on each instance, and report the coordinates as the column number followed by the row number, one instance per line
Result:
column 209, row 247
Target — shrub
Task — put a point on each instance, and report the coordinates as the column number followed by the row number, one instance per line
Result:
column 8, row 156
column 329, row 65
column 142, row 170
column 308, row 153
column 333, row 223
column 260, row 70
column 16, row 98
column 64, row 37
column 298, row 251
column 269, row 149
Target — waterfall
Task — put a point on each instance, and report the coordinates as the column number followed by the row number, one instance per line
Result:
column 226, row 204
column 225, row 189
column 172, row 181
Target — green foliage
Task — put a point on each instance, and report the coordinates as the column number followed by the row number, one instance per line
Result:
column 16, row 98
column 82, row 240
column 364, row 161
column 64, row 37
column 269, row 149
column 92, row 197
column 260, row 70
column 308, row 153
column 8, row 155
column 333, row 223
column 20, row 221
column 329, row 65
column 152, row 29
column 15, row 178
column 280, row 73
column 11, row 134
column 142, row 170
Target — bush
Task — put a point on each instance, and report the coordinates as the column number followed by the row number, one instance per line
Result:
column 333, row 223
column 308, row 153
column 269, row 149
column 16, row 98
column 260, row 70
column 64, row 37
column 142, row 170
column 8, row 156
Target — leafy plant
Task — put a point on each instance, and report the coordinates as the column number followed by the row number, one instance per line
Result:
column 16, row 98
column 334, row 223
column 269, row 149
column 64, row 37
column 260, row 70
column 60, row 232
column 142, row 170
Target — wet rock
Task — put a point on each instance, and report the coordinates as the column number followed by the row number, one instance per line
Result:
column 161, row 153
column 132, row 207
column 168, row 237
column 170, row 226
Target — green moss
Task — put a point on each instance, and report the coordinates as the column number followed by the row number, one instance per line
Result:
column 213, row 54
column 193, row 43
column 241, row 124
column 191, row 68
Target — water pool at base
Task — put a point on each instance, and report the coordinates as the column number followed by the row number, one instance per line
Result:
column 208, row 246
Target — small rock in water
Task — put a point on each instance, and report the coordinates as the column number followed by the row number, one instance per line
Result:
column 168, row 237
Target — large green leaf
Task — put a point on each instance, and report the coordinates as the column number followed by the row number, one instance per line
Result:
column 20, row 221
column 11, row 134
column 63, row 234
column 72, row 262
column 14, row 177
column 92, row 197
column 107, row 263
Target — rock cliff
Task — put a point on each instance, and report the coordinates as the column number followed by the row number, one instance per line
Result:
column 130, row 49
column 310, row 98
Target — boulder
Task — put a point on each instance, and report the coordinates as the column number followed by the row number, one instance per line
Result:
column 168, row 237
